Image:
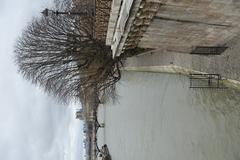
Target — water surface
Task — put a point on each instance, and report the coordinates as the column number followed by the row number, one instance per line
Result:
column 159, row 117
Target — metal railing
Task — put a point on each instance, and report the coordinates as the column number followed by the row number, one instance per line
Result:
column 213, row 81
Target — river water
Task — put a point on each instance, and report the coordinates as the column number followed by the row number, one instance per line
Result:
column 158, row 117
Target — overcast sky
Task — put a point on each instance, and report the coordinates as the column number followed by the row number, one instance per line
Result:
column 33, row 126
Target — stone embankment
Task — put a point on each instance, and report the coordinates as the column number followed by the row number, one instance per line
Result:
column 173, row 30
column 226, row 64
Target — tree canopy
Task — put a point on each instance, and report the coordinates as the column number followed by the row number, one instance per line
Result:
column 61, row 54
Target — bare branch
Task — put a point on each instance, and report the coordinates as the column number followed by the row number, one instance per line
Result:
column 62, row 55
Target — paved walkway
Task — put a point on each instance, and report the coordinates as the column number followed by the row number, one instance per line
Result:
column 227, row 64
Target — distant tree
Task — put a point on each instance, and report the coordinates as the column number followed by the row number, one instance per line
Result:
column 61, row 55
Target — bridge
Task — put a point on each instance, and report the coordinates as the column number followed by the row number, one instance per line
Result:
column 196, row 35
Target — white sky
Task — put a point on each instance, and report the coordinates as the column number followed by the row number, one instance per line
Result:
column 32, row 125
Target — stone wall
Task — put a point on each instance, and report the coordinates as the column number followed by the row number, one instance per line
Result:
column 226, row 64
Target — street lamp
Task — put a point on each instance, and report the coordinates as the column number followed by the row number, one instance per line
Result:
column 46, row 12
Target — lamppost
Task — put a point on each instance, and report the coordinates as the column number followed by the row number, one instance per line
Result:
column 46, row 12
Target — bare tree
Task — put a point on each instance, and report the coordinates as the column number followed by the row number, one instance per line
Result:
column 61, row 55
